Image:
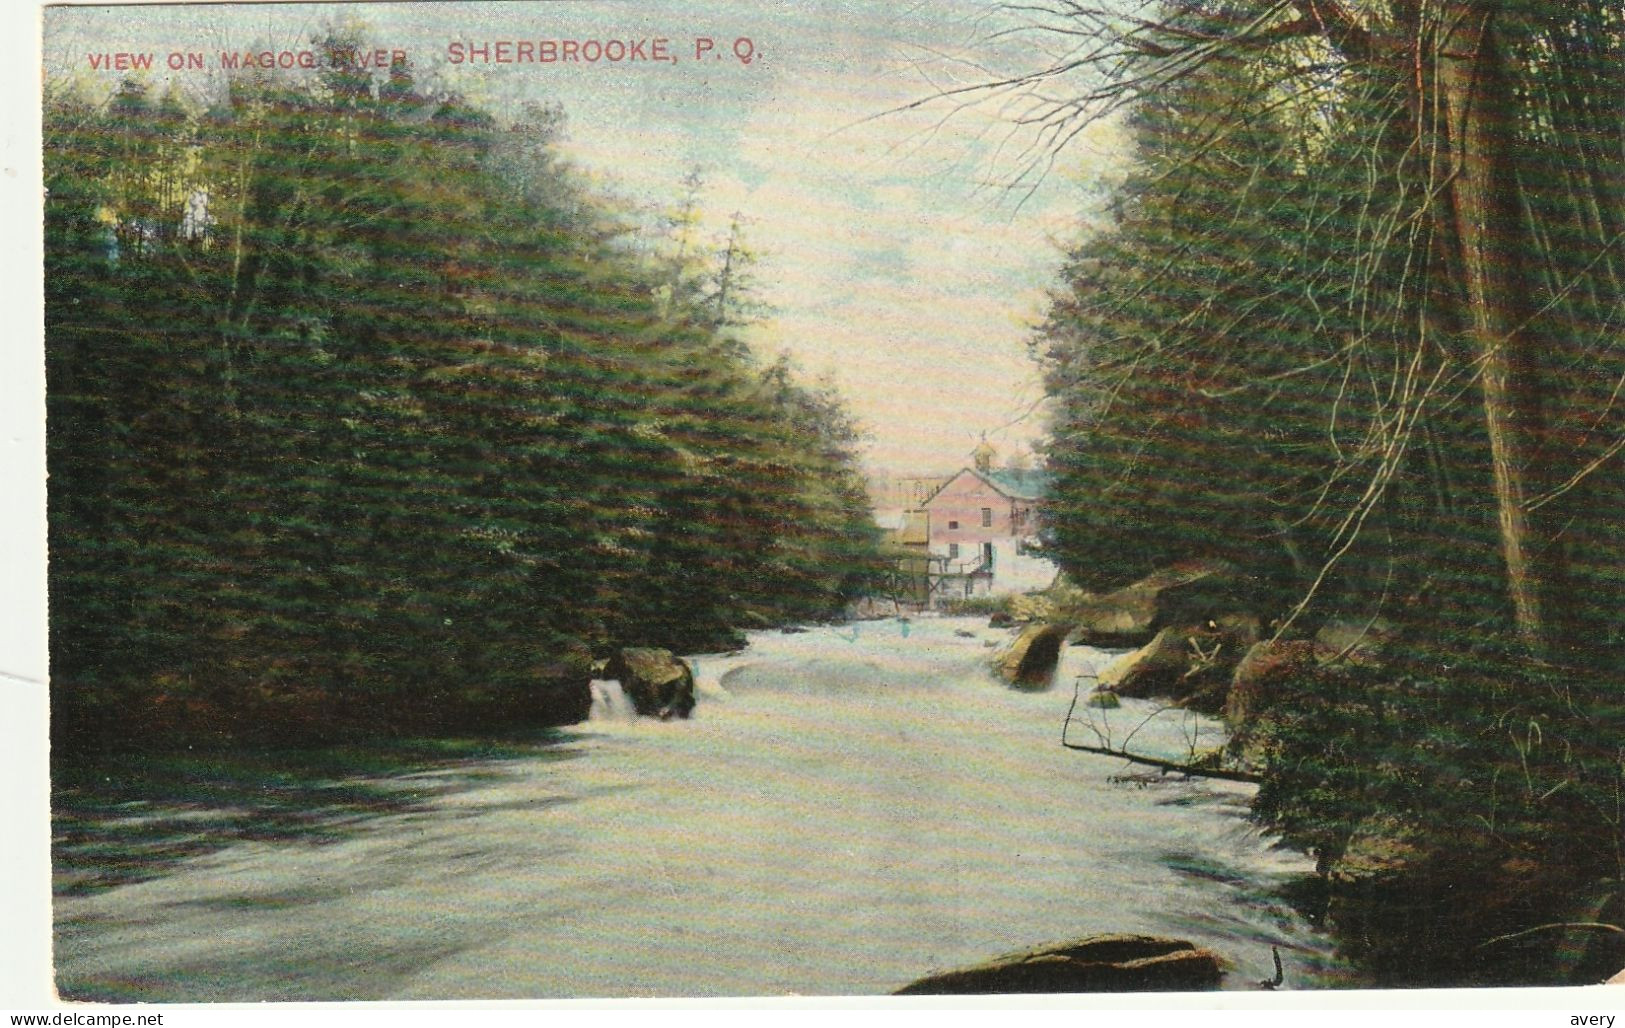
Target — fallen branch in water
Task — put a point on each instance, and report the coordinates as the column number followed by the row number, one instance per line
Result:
column 1169, row 765
column 1593, row 926
column 1135, row 758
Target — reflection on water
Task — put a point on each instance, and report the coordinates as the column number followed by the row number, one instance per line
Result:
column 131, row 818
column 849, row 809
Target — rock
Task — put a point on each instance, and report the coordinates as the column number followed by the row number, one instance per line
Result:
column 1407, row 896
column 1273, row 670
column 793, row 630
column 1241, row 628
column 1025, row 608
column 1030, row 661
column 1385, row 895
column 1192, row 665
column 754, row 619
column 1190, row 592
column 1361, row 643
column 1153, row 669
column 1121, row 618
column 964, row 634
column 1267, row 670
column 1103, row 699
column 560, row 692
column 657, row 683
column 1001, row 619
column 561, row 701
column 1096, row 963
column 1380, row 848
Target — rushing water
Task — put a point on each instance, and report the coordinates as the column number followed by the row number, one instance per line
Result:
column 850, row 808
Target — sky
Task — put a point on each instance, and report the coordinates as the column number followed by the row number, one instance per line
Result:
column 888, row 255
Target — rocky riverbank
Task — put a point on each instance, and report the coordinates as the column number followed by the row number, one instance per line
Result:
column 1419, row 899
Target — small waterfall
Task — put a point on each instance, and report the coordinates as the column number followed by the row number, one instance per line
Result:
column 1083, row 662
column 610, row 702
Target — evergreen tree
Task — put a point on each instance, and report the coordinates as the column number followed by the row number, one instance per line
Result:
column 366, row 415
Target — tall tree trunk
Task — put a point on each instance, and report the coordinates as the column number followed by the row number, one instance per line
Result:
column 1477, row 97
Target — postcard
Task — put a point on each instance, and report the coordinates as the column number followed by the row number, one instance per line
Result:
column 597, row 501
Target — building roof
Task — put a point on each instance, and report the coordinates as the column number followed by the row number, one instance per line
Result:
column 1019, row 483
column 1016, row 483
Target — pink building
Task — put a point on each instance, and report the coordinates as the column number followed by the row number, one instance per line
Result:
column 982, row 525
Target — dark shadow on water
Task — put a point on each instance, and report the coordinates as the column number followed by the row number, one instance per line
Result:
column 1257, row 914
column 133, row 817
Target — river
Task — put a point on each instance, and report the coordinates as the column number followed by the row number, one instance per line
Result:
column 850, row 808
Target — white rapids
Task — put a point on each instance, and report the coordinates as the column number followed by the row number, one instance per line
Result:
column 850, row 808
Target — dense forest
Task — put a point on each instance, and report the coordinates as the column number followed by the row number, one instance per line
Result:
column 368, row 415
column 1354, row 324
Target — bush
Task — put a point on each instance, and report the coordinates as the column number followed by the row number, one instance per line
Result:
column 1482, row 800
column 978, row 606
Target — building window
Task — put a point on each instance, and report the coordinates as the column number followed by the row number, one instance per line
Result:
column 953, row 549
column 987, row 517
column 953, row 525
column 987, row 555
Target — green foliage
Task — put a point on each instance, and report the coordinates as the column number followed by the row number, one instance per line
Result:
column 1456, row 810
column 1484, row 761
column 1201, row 349
column 366, row 417
column 1269, row 356
column 1262, row 357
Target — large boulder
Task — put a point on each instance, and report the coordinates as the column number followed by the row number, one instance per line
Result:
column 658, row 684
column 1030, row 660
column 1189, row 592
column 1151, row 670
column 1265, row 672
column 1096, row 963
column 1273, row 670
column 556, row 691
column 1191, row 664
column 564, row 700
